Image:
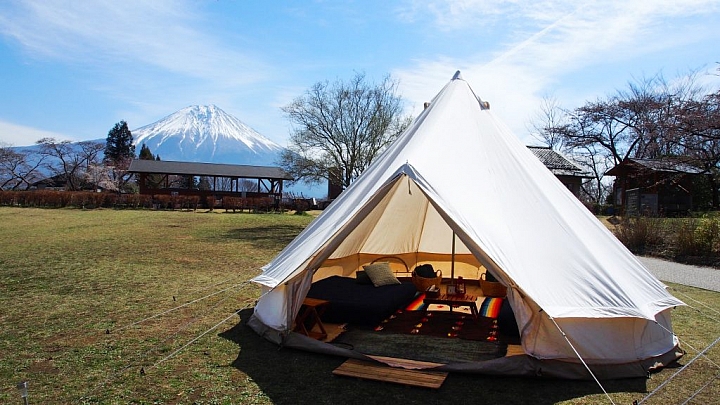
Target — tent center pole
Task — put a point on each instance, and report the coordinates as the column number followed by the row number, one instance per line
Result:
column 452, row 261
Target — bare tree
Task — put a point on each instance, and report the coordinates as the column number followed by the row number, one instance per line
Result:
column 341, row 128
column 17, row 169
column 551, row 123
column 650, row 119
column 69, row 161
column 698, row 133
column 248, row 185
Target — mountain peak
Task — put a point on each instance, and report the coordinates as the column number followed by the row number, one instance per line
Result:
column 206, row 133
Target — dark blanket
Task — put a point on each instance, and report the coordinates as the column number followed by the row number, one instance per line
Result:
column 360, row 304
column 419, row 347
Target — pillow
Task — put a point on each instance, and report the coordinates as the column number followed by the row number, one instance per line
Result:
column 381, row 274
column 425, row 271
column 362, row 277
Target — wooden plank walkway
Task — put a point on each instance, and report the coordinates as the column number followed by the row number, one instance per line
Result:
column 381, row 372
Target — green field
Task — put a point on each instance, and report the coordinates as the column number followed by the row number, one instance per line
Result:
column 114, row 306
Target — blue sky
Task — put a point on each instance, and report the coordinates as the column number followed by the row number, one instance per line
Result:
column 72, row 69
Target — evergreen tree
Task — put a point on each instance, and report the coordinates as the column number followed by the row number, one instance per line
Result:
column 119, row 144
column 152, row 180
column 145, row 153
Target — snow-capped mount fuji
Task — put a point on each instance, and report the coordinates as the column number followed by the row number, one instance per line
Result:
column 206, row 134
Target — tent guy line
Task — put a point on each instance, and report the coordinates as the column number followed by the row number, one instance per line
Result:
column 143, row 370
column 681, row 369
column 583, row 361
column 108, row 331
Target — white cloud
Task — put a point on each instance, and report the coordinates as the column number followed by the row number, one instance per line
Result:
column 463, row 14
column 111, row 34
column 550, row 39
column 18, row 135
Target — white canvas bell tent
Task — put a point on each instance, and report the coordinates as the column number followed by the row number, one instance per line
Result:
column 576, row 291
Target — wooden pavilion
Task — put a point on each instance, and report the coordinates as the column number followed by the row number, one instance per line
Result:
column 210, row 181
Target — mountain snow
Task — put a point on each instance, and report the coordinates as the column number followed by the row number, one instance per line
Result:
column 206, row 134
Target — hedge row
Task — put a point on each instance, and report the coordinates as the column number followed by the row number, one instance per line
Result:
column 90, row 200
column 265, row 204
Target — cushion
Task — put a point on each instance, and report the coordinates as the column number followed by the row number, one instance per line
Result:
column 381, row 274
column 361, row 277
column 425, row 271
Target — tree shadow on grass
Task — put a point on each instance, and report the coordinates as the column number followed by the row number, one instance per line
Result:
column 273, row 237
column 290, row 376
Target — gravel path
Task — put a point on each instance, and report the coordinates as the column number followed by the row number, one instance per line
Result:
column 694, row 276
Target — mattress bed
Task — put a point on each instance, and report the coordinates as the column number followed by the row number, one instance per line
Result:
column 361, row 304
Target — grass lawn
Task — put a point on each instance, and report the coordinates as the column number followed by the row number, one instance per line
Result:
column 85, row 317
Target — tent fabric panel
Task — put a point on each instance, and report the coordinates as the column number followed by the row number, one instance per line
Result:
column 278, row 307
column 272, row 309
column 517, row 190
column 402, row 222
column 362, row 229
column 398, row 229
column 322, row 236
column 598, row 340
column 320, row 231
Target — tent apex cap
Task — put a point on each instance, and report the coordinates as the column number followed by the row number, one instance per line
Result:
column 457, row 75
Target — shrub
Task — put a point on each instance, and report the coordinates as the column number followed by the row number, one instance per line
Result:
column 163, row 201
column 191, row 202
column 708, row 234
column 640, row 234
column 210, row 202
column 685, row 242
column 697, row 237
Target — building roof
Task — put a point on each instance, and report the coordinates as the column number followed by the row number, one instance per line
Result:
column 667, row 165
column 558, row 164
column 208, row 169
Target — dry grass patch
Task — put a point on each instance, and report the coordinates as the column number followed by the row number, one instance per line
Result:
column 68, row 275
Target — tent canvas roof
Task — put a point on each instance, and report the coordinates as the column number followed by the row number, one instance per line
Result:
column 507, row 208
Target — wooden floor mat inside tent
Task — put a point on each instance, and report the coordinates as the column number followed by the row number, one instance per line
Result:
column 381, row 372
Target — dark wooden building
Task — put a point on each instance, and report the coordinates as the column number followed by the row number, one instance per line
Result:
column 654, row 186
column 567, row 171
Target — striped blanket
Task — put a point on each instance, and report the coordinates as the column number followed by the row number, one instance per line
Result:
column 490, row 307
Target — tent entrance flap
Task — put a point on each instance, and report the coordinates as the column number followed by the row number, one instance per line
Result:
column 403, row 224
